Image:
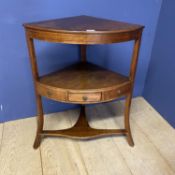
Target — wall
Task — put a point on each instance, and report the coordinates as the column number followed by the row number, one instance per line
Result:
column 160, row 83
column 17, row 94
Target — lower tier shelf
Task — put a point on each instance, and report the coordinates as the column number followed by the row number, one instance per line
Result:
column 81, row 130
column 83, row 83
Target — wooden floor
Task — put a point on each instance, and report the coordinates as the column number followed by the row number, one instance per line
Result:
column 153, row 154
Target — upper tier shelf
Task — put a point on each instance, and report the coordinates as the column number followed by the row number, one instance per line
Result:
column 83, row 30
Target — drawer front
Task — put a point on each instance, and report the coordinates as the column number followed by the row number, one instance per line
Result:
column 84, row 97
column 119, row 92
column 51, row 93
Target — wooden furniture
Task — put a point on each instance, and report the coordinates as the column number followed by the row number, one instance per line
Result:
column 83, row 83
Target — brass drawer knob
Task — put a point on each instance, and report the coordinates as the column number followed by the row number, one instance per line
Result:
column 84, row 98
column 119, row 91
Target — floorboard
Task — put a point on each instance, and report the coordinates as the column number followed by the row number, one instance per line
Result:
column 101, row 156
column 60, row 156
column 17, row 155
column 159, row 132
column 1, row 134
column 152, row 154
column 143, row 158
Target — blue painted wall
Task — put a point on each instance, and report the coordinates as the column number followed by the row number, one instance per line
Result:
column 17, row 94
column 160, row 83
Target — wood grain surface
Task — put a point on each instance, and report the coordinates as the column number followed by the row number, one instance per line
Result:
column 81, row 82
column 100, row 152
column 17, row 156
column 157, row 130
column 83, row 30
column 86, row 24
column 60, row 156
column 84, row 77
column 153, row 153
column 144, row 158
column 1, row 134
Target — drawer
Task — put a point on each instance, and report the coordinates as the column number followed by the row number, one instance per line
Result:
column 84, row 97
column 115, row 93
column 51, row 93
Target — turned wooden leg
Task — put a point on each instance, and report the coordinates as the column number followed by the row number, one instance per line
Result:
column 40, row 123
column 127, row 122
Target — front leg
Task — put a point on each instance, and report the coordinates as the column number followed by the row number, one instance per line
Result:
column 127, row 122
column 40, row 122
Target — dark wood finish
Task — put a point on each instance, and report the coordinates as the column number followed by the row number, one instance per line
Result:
column 83, row 24
column 84, row 97
column 82, row 130
column 83, row 79
column 83, row 30
column 83, row 83
column 40, row 119
column 83, row 52
column 129, row 96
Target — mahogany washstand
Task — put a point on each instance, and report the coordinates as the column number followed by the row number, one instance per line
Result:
column 83, row 83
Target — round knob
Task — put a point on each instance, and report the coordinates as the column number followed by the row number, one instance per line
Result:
column 85, row 98
column 119, row 91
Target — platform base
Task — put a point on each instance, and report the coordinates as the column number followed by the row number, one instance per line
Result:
column 81, row 130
